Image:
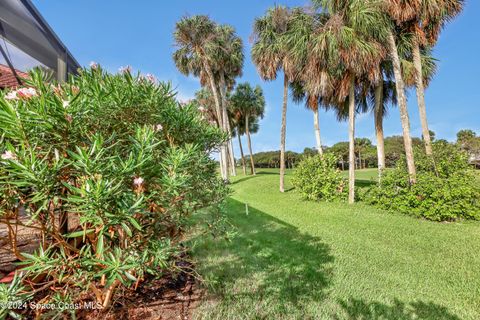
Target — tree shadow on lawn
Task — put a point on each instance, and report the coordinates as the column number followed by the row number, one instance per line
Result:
column 258, row 173
column 269, row 267
column 358, row 309
column 362, row 183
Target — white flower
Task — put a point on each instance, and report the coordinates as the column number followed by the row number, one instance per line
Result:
column 125, row 69
column 202, row 109
column 138, row 181
column 27, row 92
column 12, row 95
column 93, row 65
column 158, row 127
column 8, row 155
column 65, row 103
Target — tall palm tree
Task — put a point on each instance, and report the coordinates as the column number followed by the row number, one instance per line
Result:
column 249, row 105
column 197, row 52
column 305, row 87
column 377, row 96
column 426, row 27
column 229, row 66
column 383, row 94
column 425, row 15
column 299, row 94
column 269, row 53
column 349, row 43
column 239, row 131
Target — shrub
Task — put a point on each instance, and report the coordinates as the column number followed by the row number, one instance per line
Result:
column 316, row 178
column 108, row 167
column 446, row 187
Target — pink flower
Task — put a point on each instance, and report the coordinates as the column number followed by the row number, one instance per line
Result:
column 158, row 127
column 8, row 155
column 12, row 95
column 93, row 65
column 150, row 77
column 138, row 181
column 126, row 69
column 26, row 93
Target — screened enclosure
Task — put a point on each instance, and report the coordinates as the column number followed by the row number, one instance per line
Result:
column 27, row 41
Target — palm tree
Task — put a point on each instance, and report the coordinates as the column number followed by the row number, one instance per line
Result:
column 239, row 131
column 299, row 94
column 383, row 94
column 349, row 43
column 249, row 105
column 269, row 53
column 229, row 66
column 426, row 27
column 305, row 87
column 429, row 16
column 197, row 50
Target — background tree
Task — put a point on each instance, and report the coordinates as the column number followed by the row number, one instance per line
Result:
column 468, row 141
column 248, row 104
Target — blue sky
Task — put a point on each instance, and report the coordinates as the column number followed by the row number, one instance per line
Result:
column 123, row 32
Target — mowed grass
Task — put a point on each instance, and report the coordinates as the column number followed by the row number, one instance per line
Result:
column 292, row 259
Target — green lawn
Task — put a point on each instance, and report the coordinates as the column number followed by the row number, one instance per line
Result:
column 292, row 259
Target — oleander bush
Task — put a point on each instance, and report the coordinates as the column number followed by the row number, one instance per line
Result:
column 446, row 187
column 317, row 178
column 108, row 168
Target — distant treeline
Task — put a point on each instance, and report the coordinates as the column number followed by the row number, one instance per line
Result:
column 365, row 152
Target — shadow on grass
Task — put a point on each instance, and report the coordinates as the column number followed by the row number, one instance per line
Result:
column 268, row 270
column 258, row 173
column 362, row 183
column 359, row 309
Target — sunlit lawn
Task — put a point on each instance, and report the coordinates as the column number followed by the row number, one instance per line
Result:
column 293, row 259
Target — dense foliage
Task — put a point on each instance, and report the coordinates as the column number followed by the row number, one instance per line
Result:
column 271, row 159
column 108, row 168
column 447, row 188
column 317, row 178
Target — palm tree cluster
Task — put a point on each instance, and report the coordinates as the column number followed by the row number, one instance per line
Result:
column 245, row 107
column 214, row 54
column 351, row 56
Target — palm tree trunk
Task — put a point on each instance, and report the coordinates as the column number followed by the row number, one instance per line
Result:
column 351, row 149
column 244, row 166
column 226, row 123
column 402, row 106
column 283, row 134
column 247, row 131
column 378, row 115
column 317, row 131
column 422, row 110
column 218, row 110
